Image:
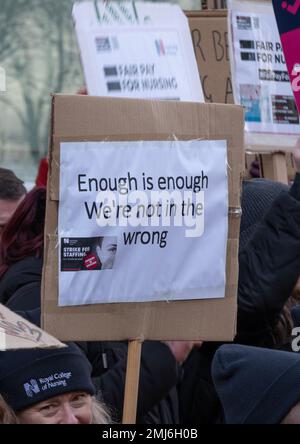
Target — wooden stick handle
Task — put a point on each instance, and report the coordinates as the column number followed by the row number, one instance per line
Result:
column 274, row 167
column 132, row 382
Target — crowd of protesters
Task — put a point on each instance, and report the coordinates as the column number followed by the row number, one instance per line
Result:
column 181, row 382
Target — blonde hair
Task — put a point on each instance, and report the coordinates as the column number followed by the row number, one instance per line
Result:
column 7, row 416
column 100, row 414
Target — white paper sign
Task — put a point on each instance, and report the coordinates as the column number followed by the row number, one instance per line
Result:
column 261, row 80
column 142, row 221
column 137, row 50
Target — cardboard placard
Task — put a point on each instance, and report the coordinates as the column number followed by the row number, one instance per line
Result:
column 210, row 39
column 140, row 226
column 18, row 333
column 79, row 118
column 260, row 77
column 136, row 50
column 209, row 30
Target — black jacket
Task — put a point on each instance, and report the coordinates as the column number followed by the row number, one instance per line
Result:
column 157, row 401
column 269, row 268
column 20, row 287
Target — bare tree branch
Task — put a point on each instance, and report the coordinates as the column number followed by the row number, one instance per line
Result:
column 41, row 55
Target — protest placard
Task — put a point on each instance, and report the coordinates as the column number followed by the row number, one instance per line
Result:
column 260, row 77
column 136, row 50
column 17, row 332
column 146, row 128
column 209, row 32
column 145, row 214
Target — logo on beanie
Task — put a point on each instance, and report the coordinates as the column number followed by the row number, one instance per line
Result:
column 47, row 383
column 31, row 388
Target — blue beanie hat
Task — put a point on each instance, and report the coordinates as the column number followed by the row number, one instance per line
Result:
column 256, row 385
column 28, row 377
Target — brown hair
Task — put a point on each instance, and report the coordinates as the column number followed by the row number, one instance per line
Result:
column 11, row 188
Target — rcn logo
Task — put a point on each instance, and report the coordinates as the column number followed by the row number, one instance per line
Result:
column 170, row 49
column 160, row 47
column 293, row 9
column 31, row 388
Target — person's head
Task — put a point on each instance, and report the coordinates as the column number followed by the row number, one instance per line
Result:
column 70, row 408
column 12, row 191
column 256, row 385
column 48, row 386
column 23, row 235
column 106, row 251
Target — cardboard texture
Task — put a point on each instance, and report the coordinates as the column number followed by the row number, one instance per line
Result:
column 274, row 167
column 80, row 118
column 291, row 167
column 210, row 40
column 18, row 333
column 277, row 165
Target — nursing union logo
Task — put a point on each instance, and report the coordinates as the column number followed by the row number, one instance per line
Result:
column 31, row 388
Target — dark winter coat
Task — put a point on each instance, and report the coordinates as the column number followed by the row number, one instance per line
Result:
column 269, row 267
column 20, row 287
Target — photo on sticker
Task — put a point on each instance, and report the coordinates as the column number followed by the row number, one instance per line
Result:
column 105, row 248
column 256, row 101
column 250, row 100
